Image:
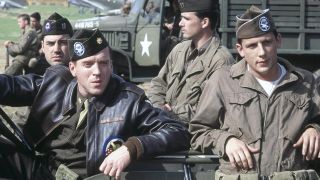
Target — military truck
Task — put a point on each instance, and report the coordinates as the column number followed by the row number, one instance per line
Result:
column 140, row 43
column 298, row 21
column 137, row 38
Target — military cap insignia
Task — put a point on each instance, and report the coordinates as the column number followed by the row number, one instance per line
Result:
column 48, row 26
column 99, row 40
column 112, row 144
column 64, row 26
column 181, row 5
column 264, row 24
column 78, row 48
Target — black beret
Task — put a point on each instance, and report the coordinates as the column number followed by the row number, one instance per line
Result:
column 254, row 22
column 85, row 43
column 199, row 5
column 56, row 25
column 36, row 15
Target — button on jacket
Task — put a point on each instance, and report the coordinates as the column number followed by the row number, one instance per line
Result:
column 235, row 105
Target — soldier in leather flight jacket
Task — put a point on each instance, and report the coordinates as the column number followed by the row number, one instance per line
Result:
column 120, row 125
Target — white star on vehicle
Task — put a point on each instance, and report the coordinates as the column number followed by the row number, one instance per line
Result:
column 145, row 45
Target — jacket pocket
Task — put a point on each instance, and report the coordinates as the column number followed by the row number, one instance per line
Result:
column 194, row 93
column 242, row 107
column 300, row 101
column 241, row 98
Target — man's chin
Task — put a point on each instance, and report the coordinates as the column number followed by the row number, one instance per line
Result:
column 56, row 62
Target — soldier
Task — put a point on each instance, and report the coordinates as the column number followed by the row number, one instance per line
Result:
column 55, row 33
column 261, row 115
column 179, row 84
column 99, row 113
column 35, row 23
column 26, row 47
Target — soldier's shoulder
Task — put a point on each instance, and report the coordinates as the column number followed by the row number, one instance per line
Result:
column 127, row 86
column 183, row 44
column 132, row 88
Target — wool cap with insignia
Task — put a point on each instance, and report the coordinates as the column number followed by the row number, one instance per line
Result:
column 56, row 25
column 85, row 43
column 199, row 6
column 254, row 22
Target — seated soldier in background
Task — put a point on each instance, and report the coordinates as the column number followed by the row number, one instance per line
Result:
column 35, row 23
column 24, row 49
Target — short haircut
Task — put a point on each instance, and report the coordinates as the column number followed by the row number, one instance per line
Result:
column 25, row 17
column 213, row 16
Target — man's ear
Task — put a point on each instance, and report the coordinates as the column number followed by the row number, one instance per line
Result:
column 205, row 22
column 240, row 49
column 279, row 40
column 72, row 68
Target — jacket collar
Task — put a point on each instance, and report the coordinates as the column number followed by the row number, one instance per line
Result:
column 202, row 62
column 98, row 102
column 240, row 69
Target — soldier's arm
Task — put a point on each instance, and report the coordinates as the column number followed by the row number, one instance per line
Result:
column 159, row 84
column 24, row 43
column 204, row 127
column 19, row 90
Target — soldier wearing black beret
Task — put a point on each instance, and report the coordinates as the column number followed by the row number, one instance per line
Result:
column 179, row 84
column 252, row 114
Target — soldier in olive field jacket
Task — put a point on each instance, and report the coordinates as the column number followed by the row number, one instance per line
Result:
column 180, row 82
column 24, row 49
column 261, row 115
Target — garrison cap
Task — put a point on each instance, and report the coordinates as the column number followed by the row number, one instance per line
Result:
column 254, row 22
column 199, row 5
column 85, row 43
column 56, row 25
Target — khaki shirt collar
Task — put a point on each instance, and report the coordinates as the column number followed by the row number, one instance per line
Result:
column 240, row 69
column 200, row 50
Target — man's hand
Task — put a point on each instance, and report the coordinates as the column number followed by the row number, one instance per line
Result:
column 116, row 162
column 310, row 142
column 7, row 43
column 167, row 107
column 239, row 153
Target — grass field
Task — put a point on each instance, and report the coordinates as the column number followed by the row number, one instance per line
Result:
column 9, row 29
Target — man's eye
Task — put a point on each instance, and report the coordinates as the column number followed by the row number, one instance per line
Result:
column 87, row 64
